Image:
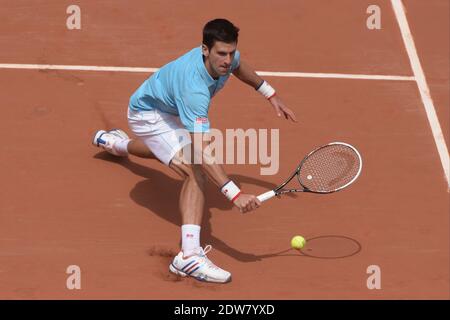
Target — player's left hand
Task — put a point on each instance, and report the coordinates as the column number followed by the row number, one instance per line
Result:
column 281, row 109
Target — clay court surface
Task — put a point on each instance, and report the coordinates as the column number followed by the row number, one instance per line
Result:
column 64, row 202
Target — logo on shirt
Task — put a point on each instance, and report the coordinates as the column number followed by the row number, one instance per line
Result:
column 201, row 120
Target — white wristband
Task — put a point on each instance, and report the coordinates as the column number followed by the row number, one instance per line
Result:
column 230, row 190
column 266, row 90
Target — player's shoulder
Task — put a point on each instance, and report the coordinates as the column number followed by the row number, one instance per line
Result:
column 189, row 58
column 188, row 79
column 190, row 73
column 183, row 62
column 187, row 64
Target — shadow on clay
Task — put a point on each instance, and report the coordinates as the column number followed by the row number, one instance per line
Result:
column 159, row 193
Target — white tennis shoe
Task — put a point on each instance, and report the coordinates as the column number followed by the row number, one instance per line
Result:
column 199, row 267
column 106, row 139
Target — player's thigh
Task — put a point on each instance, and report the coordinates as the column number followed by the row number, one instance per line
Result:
column 162, row 133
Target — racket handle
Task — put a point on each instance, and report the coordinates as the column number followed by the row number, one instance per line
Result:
column 266, row 196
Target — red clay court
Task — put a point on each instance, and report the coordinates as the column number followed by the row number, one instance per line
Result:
column 65, row 203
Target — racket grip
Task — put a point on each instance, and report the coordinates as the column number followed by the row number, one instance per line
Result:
column 266, row 196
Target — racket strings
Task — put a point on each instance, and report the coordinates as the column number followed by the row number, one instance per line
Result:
column 329, row 168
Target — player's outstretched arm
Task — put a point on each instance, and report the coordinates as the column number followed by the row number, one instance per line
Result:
column 247, row 75
column 214, row 171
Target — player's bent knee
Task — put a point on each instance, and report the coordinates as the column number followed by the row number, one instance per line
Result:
column 186, row 170
column 200, row 175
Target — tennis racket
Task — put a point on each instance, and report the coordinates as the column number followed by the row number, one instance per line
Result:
column 327, row 169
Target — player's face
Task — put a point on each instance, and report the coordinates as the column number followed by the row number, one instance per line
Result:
column 218, row 60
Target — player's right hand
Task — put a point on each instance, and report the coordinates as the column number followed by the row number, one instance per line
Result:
column 247, row 202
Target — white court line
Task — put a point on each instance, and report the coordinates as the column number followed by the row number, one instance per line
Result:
column 76, row 68
column 261, row 73
column 408, row 40
column 335, row 76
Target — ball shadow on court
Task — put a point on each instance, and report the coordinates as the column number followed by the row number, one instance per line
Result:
column 322, row 247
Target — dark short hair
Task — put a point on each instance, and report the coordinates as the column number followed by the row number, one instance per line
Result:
column 219, row 30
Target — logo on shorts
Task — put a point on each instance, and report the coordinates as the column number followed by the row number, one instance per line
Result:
column 201, row 120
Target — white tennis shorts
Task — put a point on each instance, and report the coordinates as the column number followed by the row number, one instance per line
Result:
column 162, row 133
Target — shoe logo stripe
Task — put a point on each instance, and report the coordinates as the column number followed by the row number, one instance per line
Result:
column 188, row 271
column 187, row 265
column 194, row 270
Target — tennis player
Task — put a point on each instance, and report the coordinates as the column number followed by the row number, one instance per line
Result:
column 168, row 111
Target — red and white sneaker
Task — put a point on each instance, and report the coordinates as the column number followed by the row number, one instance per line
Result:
column 199, row 267
column 107, row 139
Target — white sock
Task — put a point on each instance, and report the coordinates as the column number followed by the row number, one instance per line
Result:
column 121, row 147
column 190, row 238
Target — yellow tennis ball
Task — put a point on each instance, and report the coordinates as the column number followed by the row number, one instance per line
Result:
column 298, row 242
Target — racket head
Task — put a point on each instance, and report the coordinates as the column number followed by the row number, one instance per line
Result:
column 330, row 168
